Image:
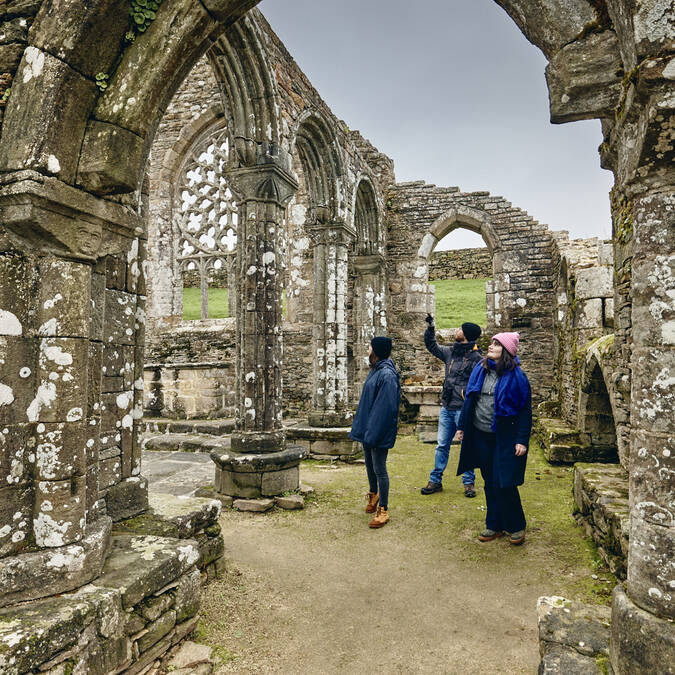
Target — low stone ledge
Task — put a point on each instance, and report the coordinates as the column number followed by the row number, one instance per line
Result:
column 162, row 425
column 324, row 442
column 573, row 637
column 250, row 463
column 145, row 602
column 563, row 444
column 60, row 569
column 127, row 498
column 179, row 442
column 601, row 496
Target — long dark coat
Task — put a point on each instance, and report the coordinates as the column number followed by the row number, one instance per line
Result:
column 508, row 468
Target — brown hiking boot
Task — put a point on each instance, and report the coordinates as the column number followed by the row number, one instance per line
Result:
column 489, row 535
column 381, row 518
column 373, row 499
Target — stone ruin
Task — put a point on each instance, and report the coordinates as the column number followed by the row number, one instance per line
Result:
column 188, row 142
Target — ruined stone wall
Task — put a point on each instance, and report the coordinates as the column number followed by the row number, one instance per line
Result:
column 463, row 263
column 520, row 295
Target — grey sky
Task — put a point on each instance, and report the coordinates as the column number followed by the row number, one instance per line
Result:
column 455, row 94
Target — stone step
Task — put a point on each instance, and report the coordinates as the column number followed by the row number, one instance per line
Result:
column 564, row 444
column 573, row 637
column 601, row 496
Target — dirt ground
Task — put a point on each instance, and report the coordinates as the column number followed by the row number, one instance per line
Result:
column 317, row 591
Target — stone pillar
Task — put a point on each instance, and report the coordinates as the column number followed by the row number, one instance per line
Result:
column 370, row 317
column 329, row 401
column 71, row 336
column 260, row 463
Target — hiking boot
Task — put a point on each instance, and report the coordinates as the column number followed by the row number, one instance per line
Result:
column 431, row 487
column 517, row 538
column 381, row 518
column 469, row 491
column 489, row 535
column 372, row 498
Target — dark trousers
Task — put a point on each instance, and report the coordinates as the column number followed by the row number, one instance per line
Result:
column 376, row 468
column 504, row 510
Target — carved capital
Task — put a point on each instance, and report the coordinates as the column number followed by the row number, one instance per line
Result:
column 331, row 233
column 59, row 219
column 270, row 180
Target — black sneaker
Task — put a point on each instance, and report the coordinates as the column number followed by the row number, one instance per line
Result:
column 431, row 487
column 469, row 491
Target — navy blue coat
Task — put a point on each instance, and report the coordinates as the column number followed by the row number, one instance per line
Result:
column 376, row 419
column 508, row 468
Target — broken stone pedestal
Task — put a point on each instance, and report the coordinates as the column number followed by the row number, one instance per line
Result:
column 565, row 444
column 251, row 475
column 324, row 442
column 428, row 398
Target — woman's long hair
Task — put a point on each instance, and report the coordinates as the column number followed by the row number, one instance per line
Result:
column 502, row 364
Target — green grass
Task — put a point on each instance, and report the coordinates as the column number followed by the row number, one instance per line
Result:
column 460, row 300
column 192, row 303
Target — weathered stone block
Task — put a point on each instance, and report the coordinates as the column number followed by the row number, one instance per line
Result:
column 188, row 596
column 237, row 484
column 291, row 502
column 60, row 450
column 62, row 393
column 653, row 294
column 589, row 313
column 210, row 549
column 59, row 511
column 156, row 630
column 276, row 482
column 87, row 36
column 189, row 515
column 16, row 443
column 127, row 498
column 16, row 518
column 108, row 656
column 640, row 642
column 64, row 301
column 651, row 566
column 97, row 306
column 594, row 282
column 109, row 472
column 255, row 505
column 18, row 379
column 120, row 310
column 61, row 569
column 50, row 137
column 653, row 387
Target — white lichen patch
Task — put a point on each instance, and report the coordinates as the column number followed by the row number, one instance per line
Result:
column 49, row 532
column 71, row 559
column 49, row 304
column 6, row 394
column 9, row 323
column 34, row 62
column 46, row 395
column 53, row 164
column 188, row 554
column 56, row 354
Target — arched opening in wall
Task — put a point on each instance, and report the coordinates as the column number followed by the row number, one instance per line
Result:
column 460, row 266
column 596, row 416
column 206, row 219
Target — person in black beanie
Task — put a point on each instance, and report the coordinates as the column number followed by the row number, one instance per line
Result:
column 376, row 424
column 459, row 360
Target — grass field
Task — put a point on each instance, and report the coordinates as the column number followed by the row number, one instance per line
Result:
column 460, row 300
column 457, row 301
column 192, row 303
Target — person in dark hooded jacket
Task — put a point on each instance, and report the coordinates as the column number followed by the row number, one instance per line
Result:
column 459, row 359
column 495, row 425
column 376, row 424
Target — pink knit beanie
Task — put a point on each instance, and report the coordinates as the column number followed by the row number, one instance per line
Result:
column 509, row 341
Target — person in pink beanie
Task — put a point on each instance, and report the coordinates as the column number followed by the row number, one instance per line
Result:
column 495, row 426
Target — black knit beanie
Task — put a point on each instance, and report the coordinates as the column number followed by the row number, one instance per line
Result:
column 381, row 346
column 471, row 331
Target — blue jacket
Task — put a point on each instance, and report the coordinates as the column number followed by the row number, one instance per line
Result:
column 512, row 424
column 376, row 419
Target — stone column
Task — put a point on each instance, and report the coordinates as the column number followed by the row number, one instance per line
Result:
column 370, row 317
column 329, row 402
column 260, row 464
column 71, row 316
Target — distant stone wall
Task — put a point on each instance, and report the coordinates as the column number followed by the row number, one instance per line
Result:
column 463, row 263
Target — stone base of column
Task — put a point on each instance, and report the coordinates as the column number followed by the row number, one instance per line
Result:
column 50, row 571
column 327, row 419
column 640, row 641
column 264, row 474
column 258, row 442
column 428, row 398
column 325, row 442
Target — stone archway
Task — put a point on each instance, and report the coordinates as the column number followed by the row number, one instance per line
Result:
column 65, row 145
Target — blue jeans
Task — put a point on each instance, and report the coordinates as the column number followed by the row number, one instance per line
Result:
column 376, row 470
column 447, row 428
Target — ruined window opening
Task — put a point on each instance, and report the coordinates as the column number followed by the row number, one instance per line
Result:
column 206, row 218
column 459, row 276
column 597, row 417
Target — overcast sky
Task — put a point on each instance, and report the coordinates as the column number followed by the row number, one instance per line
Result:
column 453, row 92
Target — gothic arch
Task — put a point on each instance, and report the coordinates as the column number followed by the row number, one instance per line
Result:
column 367, row 220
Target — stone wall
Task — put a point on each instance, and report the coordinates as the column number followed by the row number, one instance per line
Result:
column 462, row 263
